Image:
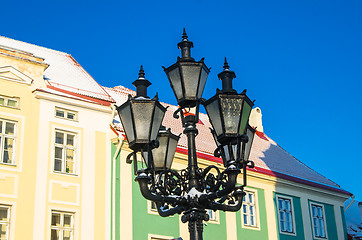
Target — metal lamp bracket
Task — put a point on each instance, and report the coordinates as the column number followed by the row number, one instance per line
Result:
column 132, row 157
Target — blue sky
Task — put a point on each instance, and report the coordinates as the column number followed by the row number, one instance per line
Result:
column 300, row 60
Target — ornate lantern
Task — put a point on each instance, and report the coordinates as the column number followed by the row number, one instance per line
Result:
column 141, row 116
column 162, row 156
column 237, row 152
column 228, row 111
column 187, row 77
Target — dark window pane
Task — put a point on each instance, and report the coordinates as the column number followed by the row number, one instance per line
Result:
column 57, row 165
column 9, row 128
column 55, row 219
column 70, row 115
column 55, row 235
column 12, row 103
column 59, row 113
column 59, row 137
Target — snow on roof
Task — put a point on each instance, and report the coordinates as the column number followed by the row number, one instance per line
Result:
column 63, row 72
column 265, row 153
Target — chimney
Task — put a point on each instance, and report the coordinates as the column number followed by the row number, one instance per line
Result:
column 255, row 119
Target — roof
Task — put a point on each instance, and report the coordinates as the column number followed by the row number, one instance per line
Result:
column 268, row 156
column 65, row 77
column 64, row 72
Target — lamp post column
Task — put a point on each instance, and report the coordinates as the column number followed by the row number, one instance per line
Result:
column 191, row 131
column 196, row 215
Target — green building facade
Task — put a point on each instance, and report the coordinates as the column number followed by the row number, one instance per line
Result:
column 268, row 191
column 285, row 199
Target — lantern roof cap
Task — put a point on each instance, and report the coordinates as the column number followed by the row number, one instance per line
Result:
column 185, row 45
column 226, row 77
column 141, row 84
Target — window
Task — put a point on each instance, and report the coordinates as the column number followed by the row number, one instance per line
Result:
column 7, row 141
column 64, row 152
column 285, row 209
column 319, row 229
column 4, row 222
column 212, row 215
column 66, row 114
column 12, row 102
column 153, row 206
column 62, row 226
column 249, row 210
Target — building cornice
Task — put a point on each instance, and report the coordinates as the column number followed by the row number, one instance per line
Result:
column 75, row 101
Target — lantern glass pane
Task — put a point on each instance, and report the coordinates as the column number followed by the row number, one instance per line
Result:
column 175, row 79
column 231, row 108
column 226, row 153
column 157, row 120
column 142, row 112
column 191, row 74
column 250, row 132
column 126, row 119
column 145, row 157
column 172, row 145
column 244, row 117
column 213, row 112
column 203, row 78
column 159, row 154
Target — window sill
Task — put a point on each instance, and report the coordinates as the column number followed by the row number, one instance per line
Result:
column 213, row 221
column 256, row 228
column 288, row 233
column 8, row 164
column 16, row 108
column 65, row 173
column 324, row 238
column 64, row 118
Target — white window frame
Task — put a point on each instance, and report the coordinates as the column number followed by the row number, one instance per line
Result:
column 293, row 233
column 7, row 222
column 214, row 216
column 256, row 226
column 151, row 209
column 6, row 101
column 64, row 148
column 61, row 228
column 66, row 111
column 2, row 141
column 311, row 204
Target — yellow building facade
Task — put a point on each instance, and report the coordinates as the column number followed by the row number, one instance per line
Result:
column 54, row 149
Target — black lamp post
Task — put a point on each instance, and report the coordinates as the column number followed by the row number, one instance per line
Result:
column 192, row 190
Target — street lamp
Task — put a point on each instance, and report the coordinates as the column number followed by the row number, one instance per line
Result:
column 141, row 116
column 161, row 158
column 192, row 190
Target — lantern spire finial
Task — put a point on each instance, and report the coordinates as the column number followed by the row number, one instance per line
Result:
column 226, row 65
column 141, row 73
column 185, row 45
column 184, row 36
column 141, row 84
column 227, row 76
